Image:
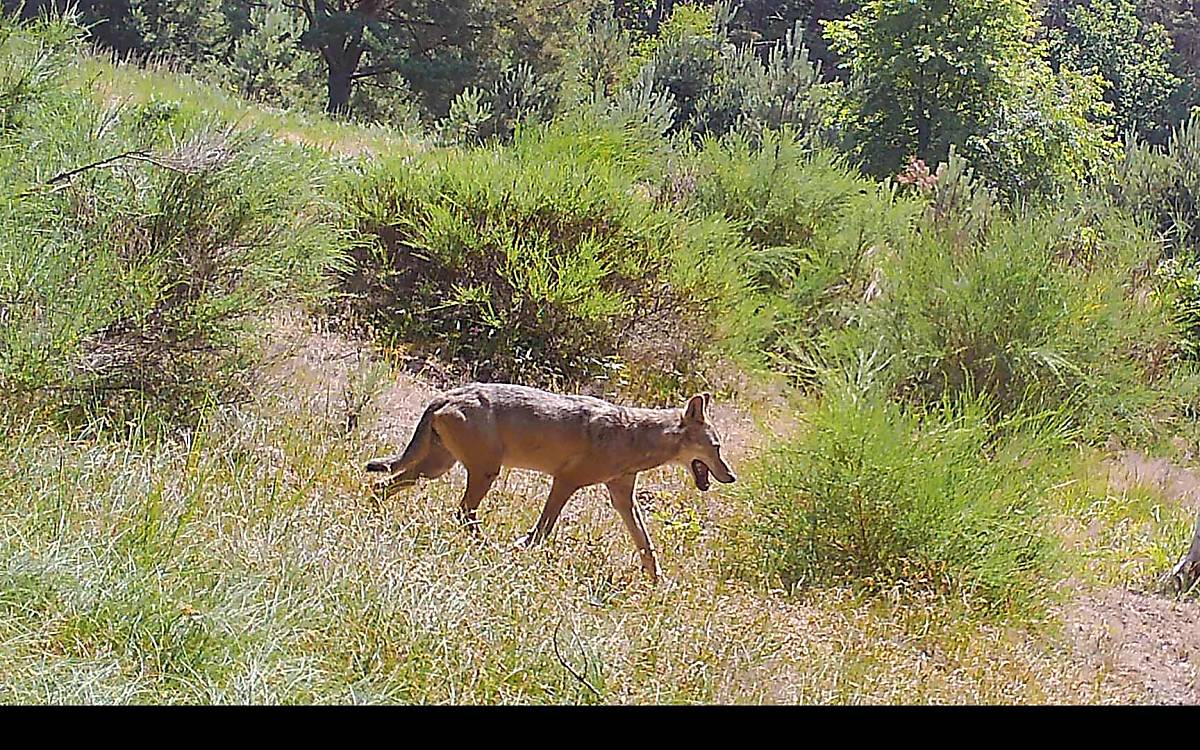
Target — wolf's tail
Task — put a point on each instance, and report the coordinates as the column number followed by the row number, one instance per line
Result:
column 422, row 438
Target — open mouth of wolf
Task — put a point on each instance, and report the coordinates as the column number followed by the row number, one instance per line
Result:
column 700, row 474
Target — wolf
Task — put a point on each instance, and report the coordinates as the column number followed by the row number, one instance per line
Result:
column 577, row 440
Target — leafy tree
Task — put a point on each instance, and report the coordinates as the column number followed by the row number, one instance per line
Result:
column 1181, row 19
column 1107, row 38
column 926, row 76
column 440, row 46
column 341, row 31
column 715, row 85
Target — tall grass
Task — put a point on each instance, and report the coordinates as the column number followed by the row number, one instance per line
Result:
column 250, row 564
column 167, row 85
column 1041, row 310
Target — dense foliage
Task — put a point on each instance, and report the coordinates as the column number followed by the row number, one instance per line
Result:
column 931, row 76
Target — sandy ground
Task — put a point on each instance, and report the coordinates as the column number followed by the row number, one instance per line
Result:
column 1149, row 640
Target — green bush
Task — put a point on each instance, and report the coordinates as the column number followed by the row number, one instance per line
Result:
column 873, row 494
column 717, row 87
column 1038, row 310
column 537, row 261
column 30, row 66
column 1162, row 184
column 815, row 229
column 137, row 246
column 518, row 95
column 938, row 286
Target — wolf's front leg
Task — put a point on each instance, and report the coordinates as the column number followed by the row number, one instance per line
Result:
column 620, row 491
column 479, row 481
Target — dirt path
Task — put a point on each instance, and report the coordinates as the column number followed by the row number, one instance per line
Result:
column 1130, row 469
column 1150, row 641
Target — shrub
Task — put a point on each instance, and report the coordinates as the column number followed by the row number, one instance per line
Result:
column 717, row 87
column 137, row 248
column 877, row 495
column 30, row 66
column 1038, row 310
column 1162, row 184
column 266, row 64
column 596, row 58
column 815, row 230
column 535, row 261
column 519, row 95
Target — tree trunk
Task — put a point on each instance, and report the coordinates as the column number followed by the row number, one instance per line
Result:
column 661, row 12
column 342, row 61
column 339, row 87
column 1187, row 570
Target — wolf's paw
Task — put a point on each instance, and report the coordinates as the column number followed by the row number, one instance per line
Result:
column 525, row 541
column 663, row 581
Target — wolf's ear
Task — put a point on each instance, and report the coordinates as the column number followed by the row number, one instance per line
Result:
column 694, row 411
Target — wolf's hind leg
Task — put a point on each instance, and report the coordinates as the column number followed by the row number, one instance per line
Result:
column 620, row 491
column 560, row 493
column 479, row 450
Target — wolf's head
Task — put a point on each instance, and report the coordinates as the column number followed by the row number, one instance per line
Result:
column 701, row 449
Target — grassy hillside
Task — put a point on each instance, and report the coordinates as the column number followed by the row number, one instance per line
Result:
column 211, row 315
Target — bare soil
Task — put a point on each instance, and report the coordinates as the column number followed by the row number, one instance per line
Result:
column 1132, row 469
column 1152, row 642
column 1148, row 640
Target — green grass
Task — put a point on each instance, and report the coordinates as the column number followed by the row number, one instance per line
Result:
column 1118, row 533
column 125, row 84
